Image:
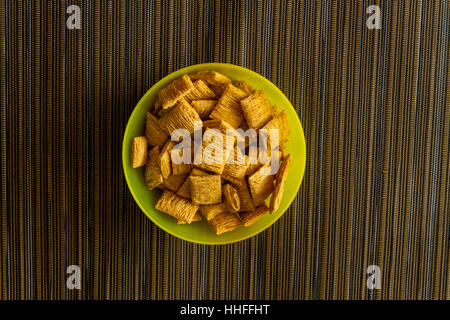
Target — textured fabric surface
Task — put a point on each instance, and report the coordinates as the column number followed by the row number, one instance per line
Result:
column 374, row 104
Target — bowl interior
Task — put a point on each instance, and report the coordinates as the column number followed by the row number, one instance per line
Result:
column 200, row 232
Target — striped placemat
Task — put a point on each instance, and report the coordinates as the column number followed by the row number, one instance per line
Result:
column 374, row 104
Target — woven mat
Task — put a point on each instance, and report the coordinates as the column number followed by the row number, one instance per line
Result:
column 375, row 106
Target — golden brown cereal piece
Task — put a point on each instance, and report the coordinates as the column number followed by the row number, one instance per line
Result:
column 261, row 185
column 279, row 185
column 203, row 107
column 177, row 89
column 197, row 217
column 244, row 86
column 215, row 80
column 213, row 154
column 281, row 123
column 164, row 164
column 205, row 189
column 173, row 183
column 249, row 218
column 232, row 201
column 228, row 107
column 212, row 210
column 201, row 91
column 235, row 172
column 256, row 109
column 138, row 152
column 181, row 116
column 153, row 176
column 176, row 206
column 245, row 198
column 224, row 222
column 155, row 134
column 184, row 190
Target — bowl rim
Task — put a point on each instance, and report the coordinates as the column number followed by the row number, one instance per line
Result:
column 240, row 238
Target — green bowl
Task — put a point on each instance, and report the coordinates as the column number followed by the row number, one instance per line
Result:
column 200, row 232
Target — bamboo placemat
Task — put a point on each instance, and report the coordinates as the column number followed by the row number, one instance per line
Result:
column 374, row 104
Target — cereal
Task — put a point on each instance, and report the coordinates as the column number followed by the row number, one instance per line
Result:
column 205, row 189
column 228, row 107
column 256, row 109
column 245, row 199
column 249, row 218
column 279, row 184
column 212, row 210
column 223, row 184
column 177, row 89
column 153, row 176
column 232, row 201
column 261, row 185
column 177, row 207
column 201, row 91
column 155, row 134
column 224, row 222
column 204, row 107
column 182, row 116
column 138, row 152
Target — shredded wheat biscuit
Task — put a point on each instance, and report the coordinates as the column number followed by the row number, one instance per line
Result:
column 215, row 80
column 153, row 176
column 228, row 107
column 177, row 89
column 138, row 152
column 184, row 190
column 197, row 217
column 249, row 218
column 176, row 206
column 261, row 186
column 201, row 91
column 164, row 164
column 245, row 199
column 155, row 134
column 182, row 116
column 224, row 222
column 232, row 201
column 173, row 183
column 212, row 210
column 205, row 189
column 204, row 107
column 279, row 184
column 256, row 109
column 279, row 122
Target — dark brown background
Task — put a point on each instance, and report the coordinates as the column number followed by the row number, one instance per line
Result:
column 375, row 106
